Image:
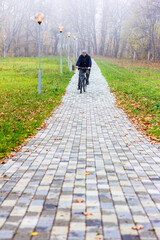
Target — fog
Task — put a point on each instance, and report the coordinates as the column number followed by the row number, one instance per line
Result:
column 111, row 28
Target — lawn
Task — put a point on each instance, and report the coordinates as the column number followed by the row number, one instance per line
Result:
column 22, row 109
column 137, row 89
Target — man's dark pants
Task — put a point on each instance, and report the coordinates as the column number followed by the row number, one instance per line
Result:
column 87, row 76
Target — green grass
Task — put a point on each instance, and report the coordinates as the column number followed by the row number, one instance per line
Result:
column 137, row 89
column 22, row 109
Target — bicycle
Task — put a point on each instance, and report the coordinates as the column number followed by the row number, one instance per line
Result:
column 82, row 84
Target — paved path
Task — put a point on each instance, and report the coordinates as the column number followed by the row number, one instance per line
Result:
column 88, row 151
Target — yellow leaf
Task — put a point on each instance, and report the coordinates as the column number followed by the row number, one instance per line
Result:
column 86, row 173
column 123, row 163
column 34, row 233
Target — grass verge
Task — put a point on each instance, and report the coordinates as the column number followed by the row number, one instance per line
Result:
column 137, row 89
column 22, row 109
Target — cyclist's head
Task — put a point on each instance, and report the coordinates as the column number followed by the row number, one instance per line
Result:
column 84, row 53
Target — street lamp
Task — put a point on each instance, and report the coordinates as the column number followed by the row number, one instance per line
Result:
column 4, row 46
column 39, row 18
column 68, row 35
column 61, row 28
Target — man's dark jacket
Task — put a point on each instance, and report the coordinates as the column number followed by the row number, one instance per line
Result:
column 84, row 61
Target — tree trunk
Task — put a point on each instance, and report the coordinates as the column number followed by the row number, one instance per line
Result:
column 134, row 56
column 149, row 55
column 55, row 49
column 153, row 43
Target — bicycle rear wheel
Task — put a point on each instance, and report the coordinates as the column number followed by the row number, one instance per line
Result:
column 81, row 84
column 84, row 85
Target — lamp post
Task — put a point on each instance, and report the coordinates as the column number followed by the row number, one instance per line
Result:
column 4, row 46
column 61, row 28
column 39, row 18
column 68, row 35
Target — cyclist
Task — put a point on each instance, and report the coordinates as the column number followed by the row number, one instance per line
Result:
column 84, row 60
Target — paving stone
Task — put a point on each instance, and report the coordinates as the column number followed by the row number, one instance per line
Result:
column 6, row 234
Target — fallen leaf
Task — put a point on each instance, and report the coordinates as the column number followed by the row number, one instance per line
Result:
column 34, row 233
column 86, row 173
column 123, row 163
column 79, row 200
column 127, row 144
column 87, row 213
column 99, row 238
column 3, row 162
column 10, row 155
column 154, row 215
column 137, row 179
column 44, row 125
column 152, row 230
column 138, row 227
column 57, row 139
column 125, row 135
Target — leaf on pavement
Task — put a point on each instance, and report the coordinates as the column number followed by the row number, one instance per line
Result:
column 137, row 179
column 152, row 230
column 79, row 200
column 34, row 233
column 57, row 139
column 123, row 163
column 154, row 215
column 138, row 227
column 7, row 179
column 87, row 213
column 128, row 144
column 125, row 135
column 87, row 173
column 99, row 238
